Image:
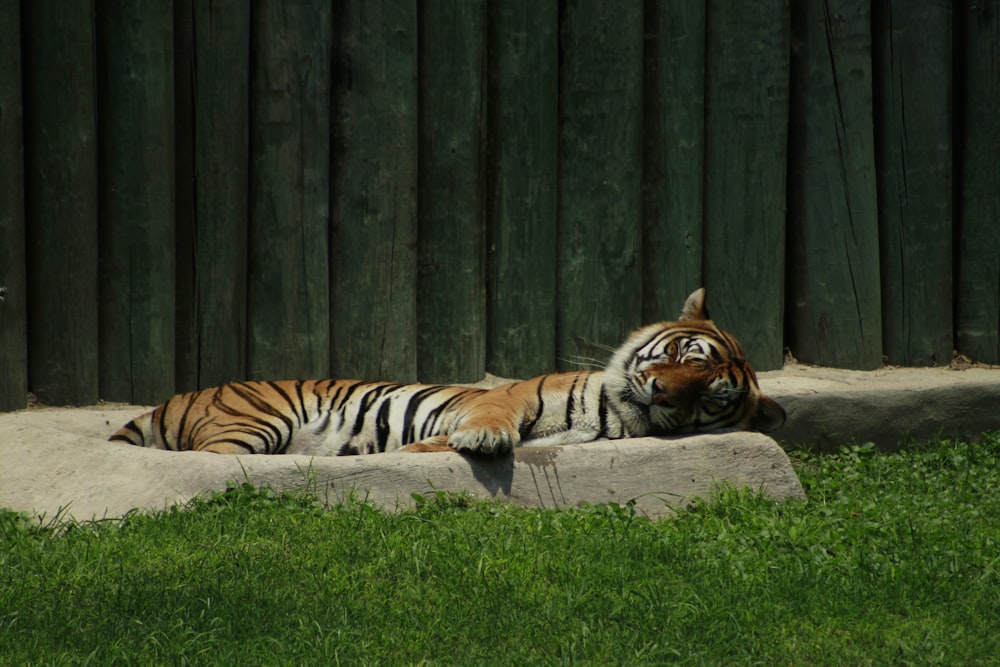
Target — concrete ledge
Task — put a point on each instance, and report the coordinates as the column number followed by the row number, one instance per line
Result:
column 61, row 465
column 829, row 407
column 58, row 460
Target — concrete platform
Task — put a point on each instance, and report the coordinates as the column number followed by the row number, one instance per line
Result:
column 829, row 407
column 58, row 462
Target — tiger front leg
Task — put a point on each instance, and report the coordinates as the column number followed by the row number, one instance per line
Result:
column 482, row 440
column 491, row 423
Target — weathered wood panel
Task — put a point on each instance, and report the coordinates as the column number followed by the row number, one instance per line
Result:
column 600, row 172
column 977, row 308
column 186, row 306
column 213, row 172
column 373, row 234
column 746, row 126
column 834, row 306
column 523, row 177
column 288, row 296
column 13, row 296
column 583, row 168
column 674, row 156
column 451, row 300
column 913, row 121
column 61, row 200
column 136, row 95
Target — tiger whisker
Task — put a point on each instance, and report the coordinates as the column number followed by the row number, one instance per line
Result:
column 583, row 362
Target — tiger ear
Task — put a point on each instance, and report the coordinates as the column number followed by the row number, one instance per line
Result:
column 694, row 307
column 769, row 417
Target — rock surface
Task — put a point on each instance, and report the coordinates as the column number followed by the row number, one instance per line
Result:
column 829, row 407
column 57, row 462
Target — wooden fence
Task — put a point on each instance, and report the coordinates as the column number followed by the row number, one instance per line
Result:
column 195, row 192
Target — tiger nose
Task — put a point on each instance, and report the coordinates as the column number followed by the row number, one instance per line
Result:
column 659, row 394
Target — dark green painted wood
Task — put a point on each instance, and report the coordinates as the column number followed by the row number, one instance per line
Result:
column 746, row 126
column 977, row 308
column 61, row 200
column 288, row 290
column 600, row 172
column 213, row 190
column 186, row 369
column 674, row 156
column 136, row 98
column 373, row 254
column 834, row 315
column 451, row 299
column 523, row 178
column 13, row 297
column 914, row 138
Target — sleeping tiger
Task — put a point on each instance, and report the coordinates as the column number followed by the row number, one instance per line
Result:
column 672, row 377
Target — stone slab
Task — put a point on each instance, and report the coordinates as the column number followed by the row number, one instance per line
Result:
column 830, row 407
column 58, row 463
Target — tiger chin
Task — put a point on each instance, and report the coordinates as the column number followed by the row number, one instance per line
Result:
column 674, row 377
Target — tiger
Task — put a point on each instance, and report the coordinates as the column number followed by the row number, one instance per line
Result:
column 668, row 378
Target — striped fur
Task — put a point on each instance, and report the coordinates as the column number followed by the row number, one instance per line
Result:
column 672, row 377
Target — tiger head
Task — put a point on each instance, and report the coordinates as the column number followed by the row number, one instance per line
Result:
column 691, row 376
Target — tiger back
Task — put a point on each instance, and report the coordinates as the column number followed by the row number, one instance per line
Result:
column 672, row 377
column 320, row 417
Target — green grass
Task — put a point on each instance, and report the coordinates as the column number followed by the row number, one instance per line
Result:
column 894, row 560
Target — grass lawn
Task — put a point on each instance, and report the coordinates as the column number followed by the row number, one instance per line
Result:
column 894, row 560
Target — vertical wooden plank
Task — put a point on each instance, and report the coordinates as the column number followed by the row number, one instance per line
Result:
column 219, row 39
column 373, row 256
column 913, row 120
column 288, row 290
column 451, row 300
column 674, row 155
column 13, row 298
column 600, row 172
column 186, row 309
column 746, row 128
column 834, row 305
column 978, row 295
column 136, row 97
column 211, row 43
column 523, row 178
column 61, row 200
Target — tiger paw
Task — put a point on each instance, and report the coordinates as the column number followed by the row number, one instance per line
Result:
column 484, row 441
column 435, row 444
